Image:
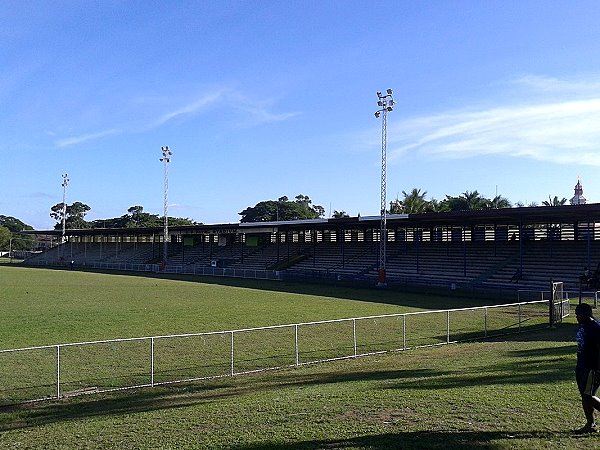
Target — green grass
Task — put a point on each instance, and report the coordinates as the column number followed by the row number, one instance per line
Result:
column 517, row 392
column 42, row 306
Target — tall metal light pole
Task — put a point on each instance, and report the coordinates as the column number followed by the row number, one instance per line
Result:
column 386, row 104
column 64, row 185
column 166, row 159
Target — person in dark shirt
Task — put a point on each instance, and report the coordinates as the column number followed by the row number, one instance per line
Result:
column 587, row 370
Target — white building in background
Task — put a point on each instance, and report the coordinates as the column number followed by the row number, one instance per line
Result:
column 578, row 198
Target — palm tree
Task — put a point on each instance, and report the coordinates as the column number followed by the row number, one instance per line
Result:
column 465, row 201
column 499, row 202
column 414, row 202
column 554, row 201
column 474, row 200
column 396, row 207
column 339, row 214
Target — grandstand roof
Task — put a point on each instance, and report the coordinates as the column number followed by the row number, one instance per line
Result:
column 505, row 216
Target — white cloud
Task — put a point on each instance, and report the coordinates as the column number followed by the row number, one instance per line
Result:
column 545, row 84
column 561, row 131
column 256, row 113
column 74, row 140
column 194, row 107
column 250, row 113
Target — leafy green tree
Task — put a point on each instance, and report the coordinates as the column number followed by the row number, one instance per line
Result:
column 554, row 201
column 137, row 218
column 180, row 221
column 435, row 206
column 499, row 202
column 468, row 200
column 136, row 215
column 5, row 236
column 15, row 226
column 75, row 214
column 474, row 200
column 282, row 209
column 396, row 206
column 413, row 203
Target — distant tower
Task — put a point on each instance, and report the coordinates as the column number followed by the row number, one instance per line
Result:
column 578, row 198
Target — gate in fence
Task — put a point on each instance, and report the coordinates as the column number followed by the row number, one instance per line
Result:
column 62, row 370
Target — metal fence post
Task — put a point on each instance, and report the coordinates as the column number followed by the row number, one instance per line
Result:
column 296, row 345
column 232, row 366
column 58, row 371
column 485, row 323
column 152, row 361
column 447, row 327
column 519, row 317
column 354, row 334
column 404, row 332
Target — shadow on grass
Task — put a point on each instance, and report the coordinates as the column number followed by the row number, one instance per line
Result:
column 160, row 398
column 550, row 365
column 463, row 440
column 421, row 298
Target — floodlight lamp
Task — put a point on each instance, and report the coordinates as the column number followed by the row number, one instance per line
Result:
column 379, row 103
column 378, row 94
column 389, row 108
column 377, row 113
column 389, row 91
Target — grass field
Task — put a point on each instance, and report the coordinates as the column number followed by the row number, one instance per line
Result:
column 514, row 393
column 41, row 306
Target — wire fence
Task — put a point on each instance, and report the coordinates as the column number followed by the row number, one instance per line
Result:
column 63, row 370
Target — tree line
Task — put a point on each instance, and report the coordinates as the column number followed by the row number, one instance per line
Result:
column 10, row 227
column 414, row 202
column 135, row 217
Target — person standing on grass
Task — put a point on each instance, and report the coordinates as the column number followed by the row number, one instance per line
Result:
column 587, row 371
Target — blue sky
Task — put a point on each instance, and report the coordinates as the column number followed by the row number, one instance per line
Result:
column 260, row 99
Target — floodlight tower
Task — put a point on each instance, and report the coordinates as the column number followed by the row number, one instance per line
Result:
column 166, row 159
column 386, row 104
column 64, row 185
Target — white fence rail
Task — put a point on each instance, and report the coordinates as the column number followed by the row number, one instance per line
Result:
column 62, row 370
column 188, row 270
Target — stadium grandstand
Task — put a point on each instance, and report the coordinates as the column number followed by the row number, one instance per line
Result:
column 511, row 248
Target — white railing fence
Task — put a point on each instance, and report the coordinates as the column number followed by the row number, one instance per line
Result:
column 62, row 370
column 188, row 270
